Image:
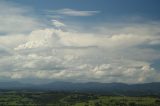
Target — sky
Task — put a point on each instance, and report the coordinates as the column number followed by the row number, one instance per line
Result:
column 104, row 41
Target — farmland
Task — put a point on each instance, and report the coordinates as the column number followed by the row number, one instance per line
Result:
column 28, row 98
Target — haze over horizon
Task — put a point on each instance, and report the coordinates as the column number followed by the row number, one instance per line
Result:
column 80, row 41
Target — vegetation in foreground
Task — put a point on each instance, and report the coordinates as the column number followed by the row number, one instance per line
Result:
column 23, row 98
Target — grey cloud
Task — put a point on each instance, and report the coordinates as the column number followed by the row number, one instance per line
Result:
column 5, row 51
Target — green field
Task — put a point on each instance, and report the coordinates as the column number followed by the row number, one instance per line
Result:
column 23, row 98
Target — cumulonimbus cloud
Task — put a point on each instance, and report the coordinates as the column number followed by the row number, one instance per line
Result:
column 103, row 54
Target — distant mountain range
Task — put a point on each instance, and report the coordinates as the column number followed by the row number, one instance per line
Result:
column 146, row 89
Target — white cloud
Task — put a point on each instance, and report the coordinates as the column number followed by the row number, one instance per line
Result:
column 58, row 23
column 16, row 19
column 39, row 38
column 103, row 73
column 119, row 53
column 56, row 38
column 72, row 12
column 90, row 56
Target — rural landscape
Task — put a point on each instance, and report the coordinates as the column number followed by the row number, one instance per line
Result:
column 79, row 52
column 79, row 94
column 24, row 98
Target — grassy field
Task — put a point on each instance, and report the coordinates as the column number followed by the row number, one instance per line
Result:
column 23, row 98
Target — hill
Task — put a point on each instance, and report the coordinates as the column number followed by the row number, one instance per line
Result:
column 151, row 89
